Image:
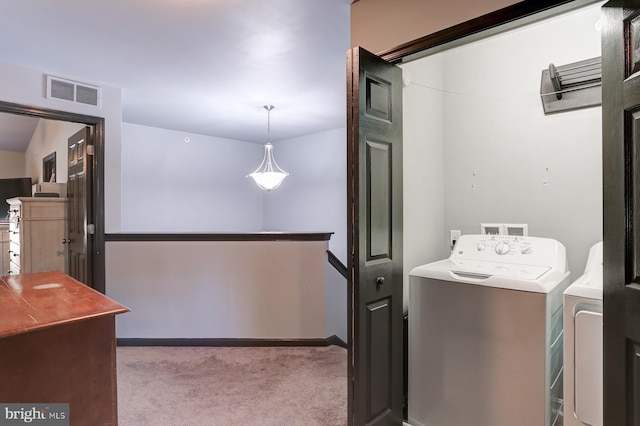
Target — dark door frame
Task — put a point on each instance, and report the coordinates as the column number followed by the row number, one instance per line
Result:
column 500, row 20
column 98, row 176
column 494, row 22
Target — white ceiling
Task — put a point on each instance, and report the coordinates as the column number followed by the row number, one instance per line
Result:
column 199, row 66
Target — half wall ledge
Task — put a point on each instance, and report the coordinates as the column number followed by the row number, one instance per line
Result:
column 244, row 236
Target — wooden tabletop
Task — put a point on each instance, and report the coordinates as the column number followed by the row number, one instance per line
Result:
column 35, row 301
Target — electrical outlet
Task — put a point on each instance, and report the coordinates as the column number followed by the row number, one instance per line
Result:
column 455, row 235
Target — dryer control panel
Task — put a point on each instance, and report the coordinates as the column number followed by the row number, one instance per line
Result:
column 510, row 249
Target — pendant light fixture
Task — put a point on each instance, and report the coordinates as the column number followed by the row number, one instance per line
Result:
column 268, row 176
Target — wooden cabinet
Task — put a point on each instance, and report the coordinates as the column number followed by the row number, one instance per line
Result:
column 37, row 235
column 58, row 344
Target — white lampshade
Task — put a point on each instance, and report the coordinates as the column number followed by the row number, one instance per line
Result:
column 268, row 176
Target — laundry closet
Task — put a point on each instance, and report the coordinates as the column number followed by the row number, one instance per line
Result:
column 479, row 148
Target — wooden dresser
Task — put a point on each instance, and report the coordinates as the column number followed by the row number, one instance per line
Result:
column 37, row 235
column 58, row 345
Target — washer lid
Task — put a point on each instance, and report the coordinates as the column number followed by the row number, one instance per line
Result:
column 533, row 278
column 479, row 269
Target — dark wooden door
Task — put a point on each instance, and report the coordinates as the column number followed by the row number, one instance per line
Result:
column 621, row 171
column 374, row 176
column 79, row 192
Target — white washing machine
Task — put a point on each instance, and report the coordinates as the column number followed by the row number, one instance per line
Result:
column 485, row 334
column 583, row 345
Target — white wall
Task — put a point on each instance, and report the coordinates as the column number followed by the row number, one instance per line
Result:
column 161, row 173
column 314, row 197
column 530, row 168
column 244, row 289
column 169, row 185
column 423, row 167
column 24, row 85
column 504, row 160
column 49, row 136
column 12, row 164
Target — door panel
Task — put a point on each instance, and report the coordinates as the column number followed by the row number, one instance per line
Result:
column 379, row 395
column 80, row 169
column 621, row 167
column 379, row 169
column 374, row 175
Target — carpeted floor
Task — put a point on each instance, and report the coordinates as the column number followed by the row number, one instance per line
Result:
column 194, row 386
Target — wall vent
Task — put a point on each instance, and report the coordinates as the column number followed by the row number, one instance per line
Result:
column 72, row 91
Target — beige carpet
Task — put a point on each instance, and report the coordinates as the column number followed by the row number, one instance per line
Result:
column 167, row 386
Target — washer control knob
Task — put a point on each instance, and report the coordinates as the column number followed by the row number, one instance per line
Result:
column 525, row 249
column 503, row 248
column 481, row 246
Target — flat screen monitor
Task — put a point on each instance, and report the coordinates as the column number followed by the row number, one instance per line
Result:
column 9, row 188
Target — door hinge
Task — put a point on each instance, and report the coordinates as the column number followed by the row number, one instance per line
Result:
column 91, row 229
column 89, row 149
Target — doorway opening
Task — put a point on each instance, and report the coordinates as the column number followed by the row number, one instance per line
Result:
column 97, row 278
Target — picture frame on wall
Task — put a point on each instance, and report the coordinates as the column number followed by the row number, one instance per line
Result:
column 49, row 168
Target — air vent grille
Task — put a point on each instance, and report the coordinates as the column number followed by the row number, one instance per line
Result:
column 72, row 91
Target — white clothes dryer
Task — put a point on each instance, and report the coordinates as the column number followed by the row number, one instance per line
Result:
column 583, row 366
column 485, row 334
